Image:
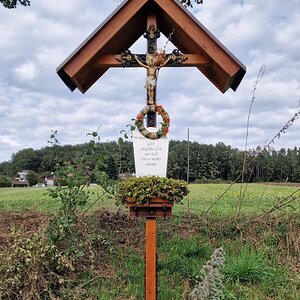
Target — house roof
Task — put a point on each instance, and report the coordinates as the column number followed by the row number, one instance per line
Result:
column 128, row 22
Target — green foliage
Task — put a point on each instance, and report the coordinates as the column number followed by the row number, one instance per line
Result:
column 207, row 162
column 190, row 3
column 210, row 285
column 4, row 181
column 247, row 267
column 259, row 199
column 31, row 268
column 46, row 258
column 107, row 259
column 73, row 196
column 72, row 193
column 19, row 199
column 53, row 138
column 181, row 256
column 204, row 180
column 32, row 178
column 13, row 3
column 142, row 189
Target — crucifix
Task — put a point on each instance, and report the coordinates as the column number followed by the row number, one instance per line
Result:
column 153, row 60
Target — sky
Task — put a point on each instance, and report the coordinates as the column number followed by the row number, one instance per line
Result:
column 35, row 40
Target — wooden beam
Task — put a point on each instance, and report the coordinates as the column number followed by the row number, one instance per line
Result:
column 150, row 259
column 194, row 60
column 197, row 33
column 88, row 63
column 110, row 61
column 191, row 36
column 96, row 42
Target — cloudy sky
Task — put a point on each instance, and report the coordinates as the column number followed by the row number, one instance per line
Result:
column 34, row 101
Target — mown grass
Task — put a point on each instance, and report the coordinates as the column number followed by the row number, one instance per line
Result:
column 38, row 199
column 258, row 199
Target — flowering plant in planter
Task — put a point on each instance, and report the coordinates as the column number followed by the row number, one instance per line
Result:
column 142, row 189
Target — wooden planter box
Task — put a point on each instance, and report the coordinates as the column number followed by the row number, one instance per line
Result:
column 156, row 208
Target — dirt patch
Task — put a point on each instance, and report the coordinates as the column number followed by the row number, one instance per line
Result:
column 116, row 225
column 119, row 230
column 26, row 221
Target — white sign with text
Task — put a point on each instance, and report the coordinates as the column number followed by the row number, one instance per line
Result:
column 150, row 156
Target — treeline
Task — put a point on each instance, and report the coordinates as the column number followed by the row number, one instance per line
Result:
column 207, row 162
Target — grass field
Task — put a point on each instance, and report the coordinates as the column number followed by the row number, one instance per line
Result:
column 258, row 199
column 262, row 256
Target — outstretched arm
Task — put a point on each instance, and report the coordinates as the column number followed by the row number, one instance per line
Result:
column 139, row 61
column 166, row 61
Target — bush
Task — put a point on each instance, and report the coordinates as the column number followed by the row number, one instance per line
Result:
column 4, row 181
column 142, row 189
column 207, row 180
column 33, row 268
column 32, row 178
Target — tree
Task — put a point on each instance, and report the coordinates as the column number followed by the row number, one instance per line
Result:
column 189, row 2
column 13, row 3
column 32, row 178
column 26, row 159
column 4, row 181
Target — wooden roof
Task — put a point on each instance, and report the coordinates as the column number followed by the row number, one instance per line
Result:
column 128, row 22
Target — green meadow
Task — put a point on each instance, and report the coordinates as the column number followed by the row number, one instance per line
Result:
column 262, row 251
column 258, row 199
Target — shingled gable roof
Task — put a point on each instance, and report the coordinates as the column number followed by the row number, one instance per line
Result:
column 128, row 22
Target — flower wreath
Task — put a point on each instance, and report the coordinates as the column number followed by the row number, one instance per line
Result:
column 139, row 122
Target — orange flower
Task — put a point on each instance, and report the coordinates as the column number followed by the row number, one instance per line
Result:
column 159, row 109
column 166, row 130
column 140, row 117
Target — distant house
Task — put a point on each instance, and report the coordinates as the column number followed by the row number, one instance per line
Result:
column 50, row 180
column 21, row 181
column 23, row 175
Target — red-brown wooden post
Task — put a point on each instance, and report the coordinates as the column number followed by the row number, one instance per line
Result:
column 150, row 259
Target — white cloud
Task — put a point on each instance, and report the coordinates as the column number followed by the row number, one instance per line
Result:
column 26, row 71
column 9, row 141
column 34, row 101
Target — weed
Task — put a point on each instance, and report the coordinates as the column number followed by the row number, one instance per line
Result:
column 108, row 257
column 247, row 268
column 210, row 285
column 32, row 269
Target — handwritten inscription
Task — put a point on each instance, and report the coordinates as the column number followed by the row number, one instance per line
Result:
column 150, row 155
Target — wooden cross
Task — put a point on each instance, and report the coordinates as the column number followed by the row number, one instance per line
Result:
column 201, row 50
column 152, row 61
